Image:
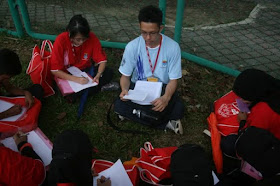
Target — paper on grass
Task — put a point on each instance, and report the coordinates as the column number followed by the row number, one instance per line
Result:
column 153, row 89
column 4, row 105
column 117, row 175
column 136, row 95
column 40, row 145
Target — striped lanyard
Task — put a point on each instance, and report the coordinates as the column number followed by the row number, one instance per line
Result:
column 148, row 54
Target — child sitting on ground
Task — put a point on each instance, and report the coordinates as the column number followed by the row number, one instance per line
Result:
column 10, row 66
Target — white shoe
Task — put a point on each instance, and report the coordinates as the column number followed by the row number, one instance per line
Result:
column 176, row 126
column 121, row 117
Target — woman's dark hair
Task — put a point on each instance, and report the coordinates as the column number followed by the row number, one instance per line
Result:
column 257, row 86
column 9, row 62
column 78, row 24
column 150, row 14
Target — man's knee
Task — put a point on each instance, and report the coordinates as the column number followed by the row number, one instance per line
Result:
column 178, row 110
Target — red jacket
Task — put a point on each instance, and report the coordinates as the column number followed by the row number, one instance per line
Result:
column 262, row 116
column 16, row 169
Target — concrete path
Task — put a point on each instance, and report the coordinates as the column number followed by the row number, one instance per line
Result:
column 251, row 43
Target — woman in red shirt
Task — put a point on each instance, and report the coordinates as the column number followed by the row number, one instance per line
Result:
column 262, row 91
column 79, row 47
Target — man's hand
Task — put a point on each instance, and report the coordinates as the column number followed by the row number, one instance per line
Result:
column 160, row 103
column 242, row 116
column 103, row 181
column 29, row 100
column 82, row 80
column 122, row 94
column 19, row 137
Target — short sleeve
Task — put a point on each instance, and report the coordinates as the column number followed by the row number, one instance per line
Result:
column 175, row 66
column 260, row 116
column 98, row 54
column 129, row 60
column 57, row 56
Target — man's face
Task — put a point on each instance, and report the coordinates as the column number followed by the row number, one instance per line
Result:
column 151, row 33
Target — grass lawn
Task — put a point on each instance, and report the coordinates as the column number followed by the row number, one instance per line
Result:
column 199, row 87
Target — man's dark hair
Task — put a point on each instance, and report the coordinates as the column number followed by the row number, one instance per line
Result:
column 78, row 24
column 150, row 14
column 9, row 62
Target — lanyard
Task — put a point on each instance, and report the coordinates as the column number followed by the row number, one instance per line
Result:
column 150, row 62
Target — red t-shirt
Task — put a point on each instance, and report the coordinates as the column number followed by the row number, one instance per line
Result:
column 262, row 116
column 16, row 169
column 64, row 54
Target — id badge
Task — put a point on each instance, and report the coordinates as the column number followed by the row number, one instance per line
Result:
column 153, row 79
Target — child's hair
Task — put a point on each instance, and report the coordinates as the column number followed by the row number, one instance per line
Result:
column 150, row 14
column 78, row 24
column 9, row 62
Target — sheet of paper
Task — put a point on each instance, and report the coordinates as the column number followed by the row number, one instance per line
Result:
column 78, row 87
column 136, row 95
column 39, row 145
column 4, row 105
column 215, row 178
column 74, row 70
column 117, row 175
column 243, row 107
column 153, row 89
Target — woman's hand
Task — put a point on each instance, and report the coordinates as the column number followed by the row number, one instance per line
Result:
column 82, row 80
column 97, row 77
column 242, row 116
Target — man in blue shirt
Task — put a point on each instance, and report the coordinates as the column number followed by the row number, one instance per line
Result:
column 154, row 57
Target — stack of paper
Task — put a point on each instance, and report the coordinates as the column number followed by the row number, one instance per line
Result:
column 145, row 92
